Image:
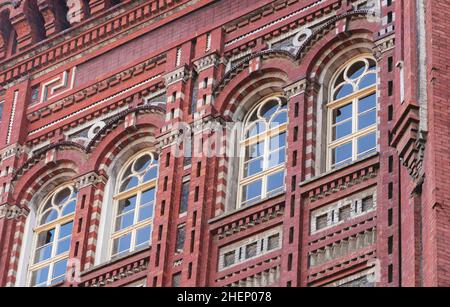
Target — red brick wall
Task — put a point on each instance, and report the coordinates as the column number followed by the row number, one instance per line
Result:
column 150, row 47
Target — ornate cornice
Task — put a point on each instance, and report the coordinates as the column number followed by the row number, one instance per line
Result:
column 91, row 178
column 97, row 88
column 295, row 89
column 10, row 212
column 210, row 60
column 301, row 44
column 383, row 45
column 11, row 151
column 180, row 74
column 110, row 124
column 332, row 182
column 94, row 33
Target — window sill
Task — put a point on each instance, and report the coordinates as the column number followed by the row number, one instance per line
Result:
column 337, row 170
column 241, row 209
column 115, row 260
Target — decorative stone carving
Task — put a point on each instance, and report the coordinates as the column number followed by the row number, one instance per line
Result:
column 295, row 88
column 208, row 61
column 89, row 179
column 180, row 74
column 12, row 212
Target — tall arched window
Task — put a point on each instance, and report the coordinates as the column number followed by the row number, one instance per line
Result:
column 134, row 204
column 352, row 112
column 52, row 238
column 263, row 151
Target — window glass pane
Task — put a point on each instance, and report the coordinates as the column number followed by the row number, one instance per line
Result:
column 273, row 242
column 342, row 130
column 253, row 167
column 66, row 230
column 275, row 182
column 126, row 205
column 367, row 204
column 321, row 222
column 251, row 250
column 62, row 196
column 65, row 233
column 269, row 109
column 176, row 280
column 279, row 120
column 142, row 163
column 367, row 119
column 124, row 221
column 344, row 213
column 367, row 144
column 342, row 154
column 277, row 157
column 229, row 259
column 1, row 111
column 43, row 253
column 343, row 91
column 367, row 103
column 63, row 246
column 367, row 81
column 122, row 245
column 343, row 113
column 151, row 174
column 46, row 237
column 148, row 197
column 252, row 191
column 180, row 238
column 184, row 197
column 129, row 183
column 69, row 208
column 339, row 80
column 39, row 277
column 143, row 236
column 356, row 70
column 277, row 141
column 256, row 129
column 254, row 151
column 59, row 271
column 146, row 212
column 49, row 216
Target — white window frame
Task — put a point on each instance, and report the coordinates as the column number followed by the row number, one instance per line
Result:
column 136, row 191
column 264, row 136
column 56, row 224
column 350, row 99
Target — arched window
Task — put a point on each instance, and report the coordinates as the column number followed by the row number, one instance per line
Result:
column 52, row 238
column 134, row 205
column 352, row 113
column 263, row 151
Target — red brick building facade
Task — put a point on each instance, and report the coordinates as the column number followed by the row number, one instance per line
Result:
column 292, row 143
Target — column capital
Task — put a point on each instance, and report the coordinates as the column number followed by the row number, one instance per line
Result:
column 10, row 212
column 295, row 88
column 92, row 178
